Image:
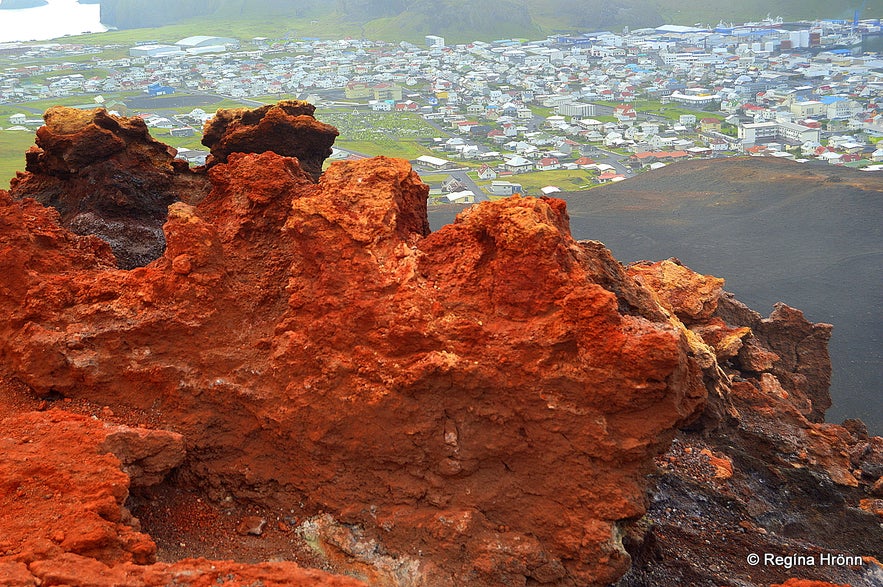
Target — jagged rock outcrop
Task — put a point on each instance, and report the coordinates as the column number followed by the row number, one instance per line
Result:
column 287, row 128
column 315, row 345
column 106, row 176
column 759, row 472
column 481, row 405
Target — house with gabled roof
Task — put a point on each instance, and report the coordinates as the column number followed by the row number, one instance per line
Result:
column 518, row 164
column 486, row 173
column 548, row 164
column 625, row 113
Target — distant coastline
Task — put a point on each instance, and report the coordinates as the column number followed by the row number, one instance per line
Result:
column 19, row 4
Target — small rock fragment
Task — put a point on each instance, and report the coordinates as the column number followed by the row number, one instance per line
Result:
column 251, row 525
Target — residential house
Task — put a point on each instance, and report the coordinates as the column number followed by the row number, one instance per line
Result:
column 831, row 157
column 504, row 188
column 625, row 113
column 718, row 145
column 452, row 184
column 710, row 124
column 509, row 129
column 486, row 173
column 496, row 135
column 548, row 164
column 407, row 106
column 461, row 197
column 613, row 139
column 518, row 164
column 524, row 148
column 183, row 131
column 609, row 177
column 434, row 162
column 589, row 124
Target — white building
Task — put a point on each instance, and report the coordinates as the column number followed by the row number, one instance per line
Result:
column 434, row 42
column 576, row 109
column 764, row 132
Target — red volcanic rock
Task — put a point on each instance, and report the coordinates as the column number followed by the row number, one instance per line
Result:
column 319, row 350
column 690, row 295
column 806, row 583
column 63, row 518
column 478, row 406
column 286, row 128
column 64, row 493
column 106, row 176
column 769, row 457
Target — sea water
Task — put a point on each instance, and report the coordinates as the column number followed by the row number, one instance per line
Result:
column 55, row 19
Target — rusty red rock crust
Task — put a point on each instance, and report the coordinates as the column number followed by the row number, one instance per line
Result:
column 480, row 405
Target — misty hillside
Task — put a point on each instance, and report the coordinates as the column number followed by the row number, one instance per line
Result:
column 463, row 20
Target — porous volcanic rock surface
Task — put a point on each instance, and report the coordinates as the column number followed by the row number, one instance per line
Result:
column 333, row 384
column 107, row 176
column 759, row 473
column 287, row 128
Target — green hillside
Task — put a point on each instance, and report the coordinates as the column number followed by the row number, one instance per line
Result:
column 460, row 20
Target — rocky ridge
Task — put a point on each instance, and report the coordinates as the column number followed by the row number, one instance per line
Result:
column 486, row 404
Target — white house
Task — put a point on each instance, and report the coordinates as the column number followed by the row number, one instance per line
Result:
column 613, row 139
column 548, row 164
column 518, row 165
column 486, row 173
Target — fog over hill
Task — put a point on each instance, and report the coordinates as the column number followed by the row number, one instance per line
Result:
column 461, row 18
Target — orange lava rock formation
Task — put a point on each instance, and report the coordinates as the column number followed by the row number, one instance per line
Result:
column 754, row 472
column 481, row 405
column 106, row 176
column 286, row 128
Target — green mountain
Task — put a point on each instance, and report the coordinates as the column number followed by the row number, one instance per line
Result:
column 464, row 20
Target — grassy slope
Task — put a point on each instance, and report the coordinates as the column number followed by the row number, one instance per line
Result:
column 13, row 145
column 711, row 11
column 548, row 16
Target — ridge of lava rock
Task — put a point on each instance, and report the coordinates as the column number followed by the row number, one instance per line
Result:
column 419, row 378
column 482, row 405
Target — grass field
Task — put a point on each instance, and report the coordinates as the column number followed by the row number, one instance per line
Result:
column 670, row 111
column 240, row 27
column 403, row 149
column 13, row 145
column 564, row 179
column 380, row 133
